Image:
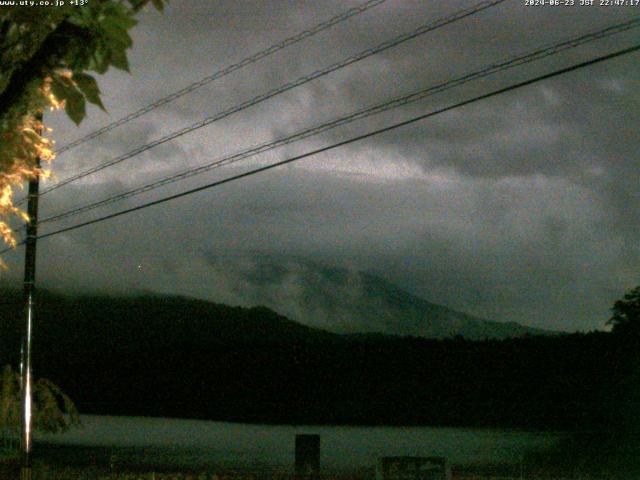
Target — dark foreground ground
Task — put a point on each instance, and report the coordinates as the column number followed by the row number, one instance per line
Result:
column 588, row 456
column 493, row 472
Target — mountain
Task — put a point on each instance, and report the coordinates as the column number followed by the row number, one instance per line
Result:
column 171, row 356
column 347, row 301
column 338, row 300
column 130, row 323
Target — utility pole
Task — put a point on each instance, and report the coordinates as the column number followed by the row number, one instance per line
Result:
column 26, row 382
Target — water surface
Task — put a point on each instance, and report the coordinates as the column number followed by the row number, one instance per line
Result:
column 198, row 443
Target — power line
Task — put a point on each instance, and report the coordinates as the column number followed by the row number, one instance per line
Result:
column 494, row 93
column 283, row 88
column 226, row 71
column 363, row 113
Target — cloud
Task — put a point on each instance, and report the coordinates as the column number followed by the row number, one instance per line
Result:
column 524, row 207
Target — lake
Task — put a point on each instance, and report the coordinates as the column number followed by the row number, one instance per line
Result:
column 197, row 443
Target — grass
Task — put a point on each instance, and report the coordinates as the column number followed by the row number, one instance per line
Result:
column 545, row 466
column 43, row 471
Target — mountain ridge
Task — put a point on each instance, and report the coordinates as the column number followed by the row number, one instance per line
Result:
column 337, row 300
column 350, row 301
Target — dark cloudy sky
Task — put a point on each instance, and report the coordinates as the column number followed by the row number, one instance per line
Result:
column 524, row 207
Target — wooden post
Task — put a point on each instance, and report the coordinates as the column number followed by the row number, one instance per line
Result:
column 307, row 456
column 26, row 381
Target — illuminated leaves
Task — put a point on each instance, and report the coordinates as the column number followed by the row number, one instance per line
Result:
column 67, row 42
column 20, row 146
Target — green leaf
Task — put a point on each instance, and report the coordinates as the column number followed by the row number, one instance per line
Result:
column 119, row 59
column 58, row 88
column 75, row 108
column 118, row 14
column 79, row 21
column 159, row 4
column 116, row 34
column 89, row 87
column 100, row 62
column 79, row 53
column 64, row 89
